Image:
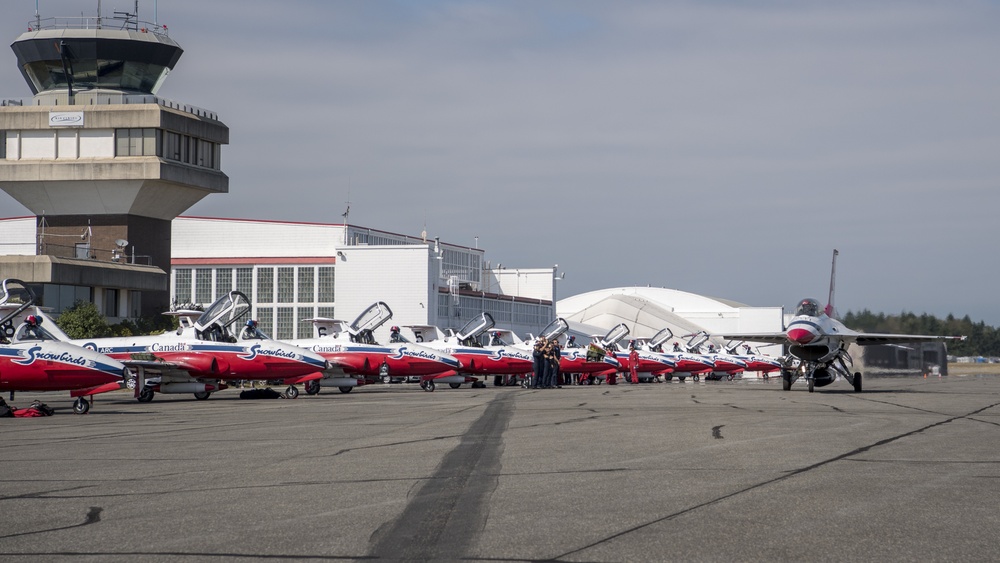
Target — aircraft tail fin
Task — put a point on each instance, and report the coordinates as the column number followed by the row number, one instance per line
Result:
column 830, row 310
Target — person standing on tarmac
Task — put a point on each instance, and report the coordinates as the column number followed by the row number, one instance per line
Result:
column 547, row 365
column 556, row 355
column 538, row 360
column 633, row 362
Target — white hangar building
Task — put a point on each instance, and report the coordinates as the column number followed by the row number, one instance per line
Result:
column 294, row 271
column 647, row 310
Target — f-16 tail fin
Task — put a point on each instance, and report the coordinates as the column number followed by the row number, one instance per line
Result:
column 830, row 310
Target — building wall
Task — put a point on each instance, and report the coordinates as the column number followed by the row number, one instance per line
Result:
column 404, row 277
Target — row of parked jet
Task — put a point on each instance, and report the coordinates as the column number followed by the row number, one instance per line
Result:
column 213, row 348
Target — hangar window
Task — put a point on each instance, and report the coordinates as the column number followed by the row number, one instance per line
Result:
column 265, row 320
column 265, row 285
column 304, row 326
column 203, row 286
column 223, row 281
column 244, row 281
column 182, row 286
column 283, row 328
column 326, row 285
column 306, row 275
column 286, row 285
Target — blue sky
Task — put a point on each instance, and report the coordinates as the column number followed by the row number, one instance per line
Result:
column 723, row 148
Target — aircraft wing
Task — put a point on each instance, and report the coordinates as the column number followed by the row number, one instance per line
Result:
column 868, row 339
column 167, row 369
column 768, row 337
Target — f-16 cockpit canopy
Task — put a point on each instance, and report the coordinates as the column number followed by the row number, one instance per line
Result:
column 808, row 307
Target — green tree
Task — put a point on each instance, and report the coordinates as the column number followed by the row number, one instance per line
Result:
column 83, row 320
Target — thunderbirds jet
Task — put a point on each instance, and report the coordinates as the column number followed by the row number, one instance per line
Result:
column 33, row 358
column 818, row 342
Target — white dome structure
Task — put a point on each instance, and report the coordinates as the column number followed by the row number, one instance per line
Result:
column 646, row 310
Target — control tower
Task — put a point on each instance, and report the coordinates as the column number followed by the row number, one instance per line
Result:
column 101, row 161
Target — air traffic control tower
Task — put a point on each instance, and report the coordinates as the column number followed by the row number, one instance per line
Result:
column 102, row 162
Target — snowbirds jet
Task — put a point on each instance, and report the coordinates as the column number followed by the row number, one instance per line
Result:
column 33, row 358
column 358, row 359
column 685, row 363
column 723, row 364
column 202, row 355
column 476, row 359
column 818, row 342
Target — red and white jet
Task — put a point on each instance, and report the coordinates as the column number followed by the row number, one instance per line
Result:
column 358, row 359
column 818, row 342
column 475, row 358
column 203, row 355
column 33, row 358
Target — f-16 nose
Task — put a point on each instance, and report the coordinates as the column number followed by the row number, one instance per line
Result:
column 800, row 335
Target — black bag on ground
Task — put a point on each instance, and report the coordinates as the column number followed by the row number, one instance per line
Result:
column 260, row 394
column 5, row 411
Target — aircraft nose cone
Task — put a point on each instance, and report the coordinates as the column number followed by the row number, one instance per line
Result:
column 800, row 336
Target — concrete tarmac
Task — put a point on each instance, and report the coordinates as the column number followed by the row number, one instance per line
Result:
column 909, row 470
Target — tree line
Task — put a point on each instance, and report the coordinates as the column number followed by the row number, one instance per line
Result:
column 982, row 339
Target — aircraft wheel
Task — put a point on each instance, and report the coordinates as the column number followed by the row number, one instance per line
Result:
column 292, row 392
column 454, row 385
column 812, row 385
column 696, row 378
column 429, row 387
column 81, row 406
column 146, row 395
column 497, row 380
column 344, row 389
column 857, row 382
column 669, row 377
column 423, row 385
column 786, row 381
column 386, row 379
column 202, row 395
column 130, row 383
column 313, row 387
column 730, row 377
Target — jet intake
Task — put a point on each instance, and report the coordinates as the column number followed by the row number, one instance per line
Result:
column 809, row 353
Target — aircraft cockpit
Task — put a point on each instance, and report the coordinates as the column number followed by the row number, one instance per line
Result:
column 808, row 307
column 252, row 332
column 365, row 336
column 31, row 329
column 215, row 333
column 396, row 337
column 497, row 340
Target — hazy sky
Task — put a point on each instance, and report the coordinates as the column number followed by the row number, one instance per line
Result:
column 722, row 148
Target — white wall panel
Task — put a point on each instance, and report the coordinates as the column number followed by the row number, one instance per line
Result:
column 97, row 143
column 38, row 145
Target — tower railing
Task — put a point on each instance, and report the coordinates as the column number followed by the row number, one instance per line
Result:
column 97, row 22
column 85, row 98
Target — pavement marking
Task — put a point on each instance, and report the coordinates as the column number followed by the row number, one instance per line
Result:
column 446, row 513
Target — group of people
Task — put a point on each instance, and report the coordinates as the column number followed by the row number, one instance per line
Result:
column 545, row 358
